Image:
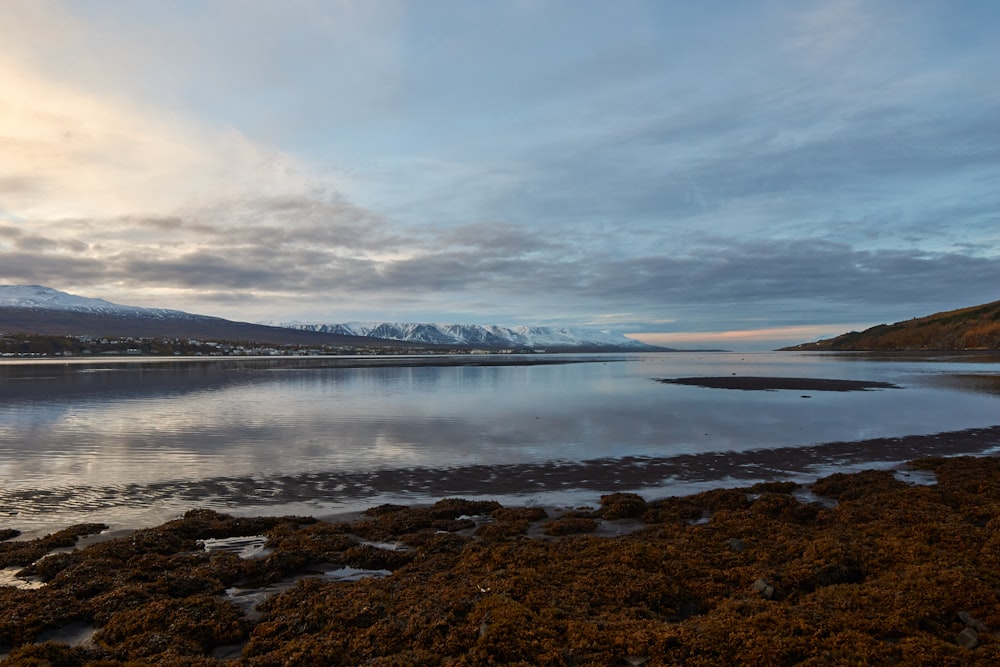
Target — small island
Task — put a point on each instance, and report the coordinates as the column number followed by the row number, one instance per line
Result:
column 752, row 383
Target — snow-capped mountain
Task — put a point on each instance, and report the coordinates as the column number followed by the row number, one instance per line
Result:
column 475, row 335
column 35, row 309
column 39, row 309
column 39, row 297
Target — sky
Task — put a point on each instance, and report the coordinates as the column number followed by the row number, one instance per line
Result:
column 733, row 174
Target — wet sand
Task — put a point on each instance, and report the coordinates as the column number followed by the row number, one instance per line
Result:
column 652, row 475
column 864, row 568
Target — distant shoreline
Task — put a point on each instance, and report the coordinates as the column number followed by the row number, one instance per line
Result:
column 341, row 361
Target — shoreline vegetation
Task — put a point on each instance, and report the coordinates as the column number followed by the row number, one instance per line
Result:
column 865, row 568
column 43, row 346
column 975, row 328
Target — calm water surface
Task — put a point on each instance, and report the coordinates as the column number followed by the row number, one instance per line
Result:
column 143, row 440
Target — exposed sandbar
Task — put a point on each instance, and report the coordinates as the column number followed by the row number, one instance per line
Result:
column 755, row 383
column 605, row 475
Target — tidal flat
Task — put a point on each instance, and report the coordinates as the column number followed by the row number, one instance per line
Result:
column 139, row 442
column 867, row 568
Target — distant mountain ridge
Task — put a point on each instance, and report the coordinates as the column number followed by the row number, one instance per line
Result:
column 36, row 309
column 484, row 336
column 971, row 328
column 44, row 310
column 40, row 297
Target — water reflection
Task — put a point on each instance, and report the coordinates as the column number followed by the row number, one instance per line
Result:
column 72, row 426
column 976, row 383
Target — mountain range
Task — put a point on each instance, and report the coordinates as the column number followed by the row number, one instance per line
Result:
column 481, row 336
column 972, row 328
column 44, row 310
column 35, row 309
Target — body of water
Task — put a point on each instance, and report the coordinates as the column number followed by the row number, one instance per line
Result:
column 137, row 441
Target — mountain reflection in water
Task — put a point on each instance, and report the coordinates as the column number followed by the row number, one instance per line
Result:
column 91, row 439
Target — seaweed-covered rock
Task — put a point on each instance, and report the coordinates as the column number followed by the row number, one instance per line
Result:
column 510, row 522
column 190, row 626
column 25, row 614
column 449, row 515
column 622, row 506
column 570, row 526
column 786, row 507
column 774, row 487
column 54, row 654
column 368, row 557
column 201, row 524
column 528, row 514
column 853, row 486
column 452, row 508
column 697, row 507
column 27, row 552
column 103, row 608
column 893, row 574
column 502, row 530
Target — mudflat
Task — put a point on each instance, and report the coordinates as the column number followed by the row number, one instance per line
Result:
column 852, row 569
column 757, row 383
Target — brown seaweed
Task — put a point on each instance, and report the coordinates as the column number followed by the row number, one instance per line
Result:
column 889, row 573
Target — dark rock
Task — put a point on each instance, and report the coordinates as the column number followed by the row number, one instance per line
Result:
column 765, row 589
column 972, row 622
column 967, row 638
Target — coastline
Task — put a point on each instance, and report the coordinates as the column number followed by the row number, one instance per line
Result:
column 339, row 360
column 324, row 494
column 853, row 568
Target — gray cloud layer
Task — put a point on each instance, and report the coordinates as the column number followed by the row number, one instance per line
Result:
column 796, row 281
column 649, row 166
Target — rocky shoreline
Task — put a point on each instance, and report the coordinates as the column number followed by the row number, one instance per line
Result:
column 853, row 569
column 305, row 492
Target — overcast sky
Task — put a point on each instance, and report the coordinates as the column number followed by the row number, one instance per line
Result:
column 743, row 174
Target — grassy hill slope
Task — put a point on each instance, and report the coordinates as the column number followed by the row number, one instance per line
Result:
column 972, row 328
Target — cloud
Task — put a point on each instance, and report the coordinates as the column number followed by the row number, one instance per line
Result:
column 65, row 271
column 71, row 152
column 498, row 238
column 280, row 250
column 748, row 339
column 533, row 162
column 27, row 242
column 745, row 276
column 823, row 34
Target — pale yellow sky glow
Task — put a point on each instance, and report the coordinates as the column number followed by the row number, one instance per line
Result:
column 765, row 338
column 71, row 153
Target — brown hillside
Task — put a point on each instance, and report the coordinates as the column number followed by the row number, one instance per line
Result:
column 973, row 328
